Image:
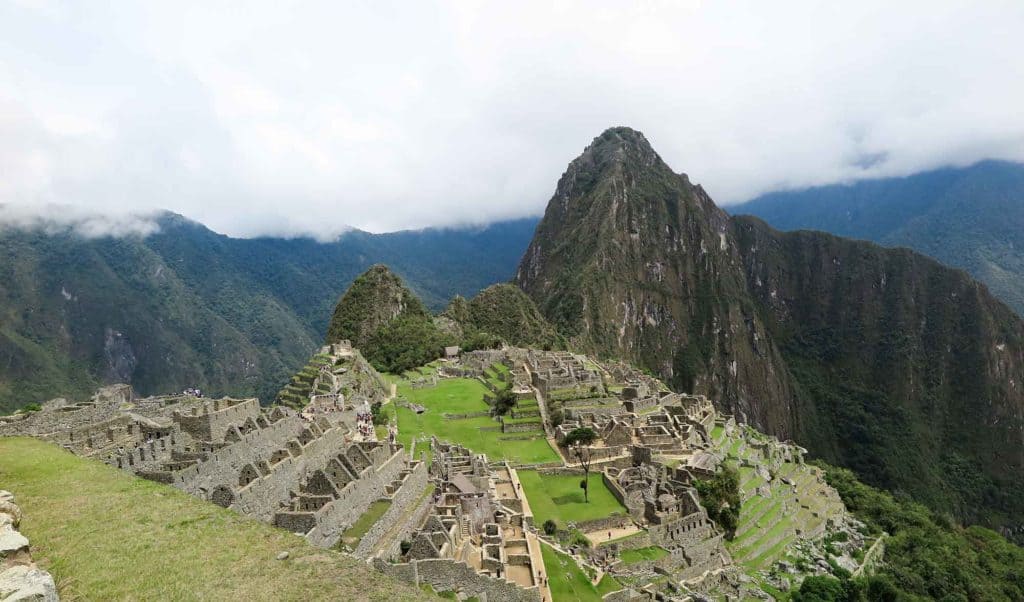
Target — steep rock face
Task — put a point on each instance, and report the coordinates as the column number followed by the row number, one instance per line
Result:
column 880, row 359
column 631, row 260
column 374, row 299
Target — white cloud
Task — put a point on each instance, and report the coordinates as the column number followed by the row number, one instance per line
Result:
column 292, row 118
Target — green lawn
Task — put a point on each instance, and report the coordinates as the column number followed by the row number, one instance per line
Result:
column 560, row 498
column 642, row 554
column 107, row 535
column 463, row 396
column 567, row 580
column 354, row 533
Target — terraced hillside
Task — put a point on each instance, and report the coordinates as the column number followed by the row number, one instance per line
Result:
column 333, row 370
column 783, row 502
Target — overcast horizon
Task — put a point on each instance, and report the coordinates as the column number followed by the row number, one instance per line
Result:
column 288, row 119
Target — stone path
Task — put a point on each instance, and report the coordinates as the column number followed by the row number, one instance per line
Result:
column 537, row 562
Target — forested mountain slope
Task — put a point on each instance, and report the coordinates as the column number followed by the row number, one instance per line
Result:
column 189, row 307
column 971, row 218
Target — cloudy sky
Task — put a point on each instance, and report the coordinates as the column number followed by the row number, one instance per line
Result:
column 305, row 118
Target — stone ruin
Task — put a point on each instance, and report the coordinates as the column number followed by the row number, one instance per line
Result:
column 662, row 500
column 461, row 523
column 312, row 476
column 475, row 540
column 563, row 374
column 337, row 378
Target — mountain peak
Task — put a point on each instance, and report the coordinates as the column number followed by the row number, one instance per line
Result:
column 373, row 300
column 617, row 144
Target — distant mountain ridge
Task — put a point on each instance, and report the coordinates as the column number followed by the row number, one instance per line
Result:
column 882, row 360
column 971, row 218
column 189, row 307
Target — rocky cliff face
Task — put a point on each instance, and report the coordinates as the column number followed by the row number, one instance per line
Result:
column 880, row 359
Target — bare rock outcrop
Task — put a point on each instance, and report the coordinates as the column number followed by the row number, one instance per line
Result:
column 20, row 579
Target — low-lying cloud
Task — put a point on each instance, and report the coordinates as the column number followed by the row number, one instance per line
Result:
column 60, row 219
column 307, row 118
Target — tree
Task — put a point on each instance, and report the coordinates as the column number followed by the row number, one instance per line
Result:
column 377, row 411
column 720, row 496
column 504, row 400
column 550, row 527
column 578, row 442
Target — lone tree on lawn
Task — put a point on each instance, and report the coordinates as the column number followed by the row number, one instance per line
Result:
column 578, row 442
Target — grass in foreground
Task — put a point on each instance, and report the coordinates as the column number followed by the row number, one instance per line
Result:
column 567, row 580
column 463, row 396
column 559, row 497
column 107, row 535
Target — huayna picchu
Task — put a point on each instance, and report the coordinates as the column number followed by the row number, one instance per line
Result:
column 882, row 360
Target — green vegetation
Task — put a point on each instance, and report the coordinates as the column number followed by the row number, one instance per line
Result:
column 406, row 342
column 567, row 580
column 643, row 554
column 559, row 498
column 505, row 313
column 463, row 396
column 578, row 442
column 967, row 217
column 107, row 535
column 504, row 400
column 926, row 557
column 720, row 496
column 380, row 316
column 353, row 534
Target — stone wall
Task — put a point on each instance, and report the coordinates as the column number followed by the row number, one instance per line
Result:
column 402, row 502
column 353, row 500
column 392, row 549
column 614, row 521
column 20, row 578
column 211, row 422
column 444, row 574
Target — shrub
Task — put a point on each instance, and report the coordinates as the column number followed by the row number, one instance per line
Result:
column 550, row 527
column 720, row 496
column 504, row 400
column 379, row 416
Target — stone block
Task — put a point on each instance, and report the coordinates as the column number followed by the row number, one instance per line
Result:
column 27, row 584
column 11, row 542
